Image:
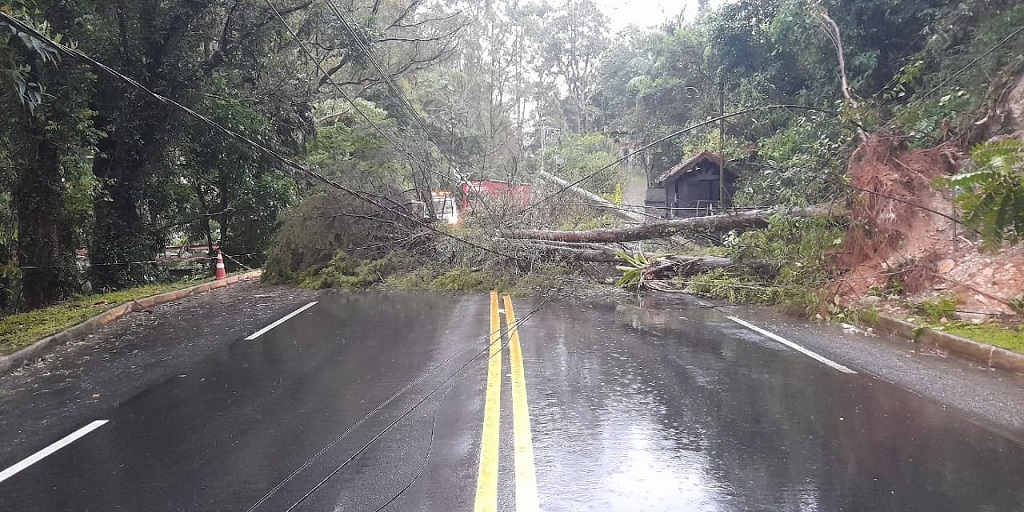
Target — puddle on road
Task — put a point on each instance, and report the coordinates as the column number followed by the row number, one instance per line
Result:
column 673, row 408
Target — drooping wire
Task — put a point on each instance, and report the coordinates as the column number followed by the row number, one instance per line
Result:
column 341, row 92
column 430, row 449
column 409, row 411
column 970, row 64
column 452, row 378
column 390, row 81
column 675, row 134
column 282, row 161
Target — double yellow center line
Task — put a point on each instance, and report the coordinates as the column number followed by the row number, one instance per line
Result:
column 487, row 477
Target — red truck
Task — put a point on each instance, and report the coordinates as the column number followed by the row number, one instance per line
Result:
column 515, row 193
column 451, row 208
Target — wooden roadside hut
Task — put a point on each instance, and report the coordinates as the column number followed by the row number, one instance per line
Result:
column 692, row 188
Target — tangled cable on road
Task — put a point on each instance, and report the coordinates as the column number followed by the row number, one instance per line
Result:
column 452, row 378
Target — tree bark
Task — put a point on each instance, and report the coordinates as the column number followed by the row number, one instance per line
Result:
column 598, row 201
column 677, row 264
column 743, row 220
column 45, row 247
column 756, row 218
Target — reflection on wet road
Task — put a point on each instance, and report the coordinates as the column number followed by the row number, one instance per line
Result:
column 667, row 407
column 675, row 408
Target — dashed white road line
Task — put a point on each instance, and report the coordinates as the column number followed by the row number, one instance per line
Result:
column 813, row 355
column 267, row 329
column 49, row 450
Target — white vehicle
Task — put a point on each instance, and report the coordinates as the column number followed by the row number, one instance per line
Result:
column 445, row 207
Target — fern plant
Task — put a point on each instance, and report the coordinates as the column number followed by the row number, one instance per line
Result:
column 992, row 197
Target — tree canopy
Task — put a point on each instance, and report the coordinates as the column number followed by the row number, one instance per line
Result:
column 398, row 98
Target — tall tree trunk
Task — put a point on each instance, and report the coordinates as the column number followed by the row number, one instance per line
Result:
column 45, row 250
column 124, row 237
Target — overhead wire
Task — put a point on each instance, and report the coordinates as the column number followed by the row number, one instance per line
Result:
column 389, row 80
column 972, row 63
column 766, row 107
column 430, row 450
column 449, row 378
column 281, row 160
column 675, row 134
column 327, row 78
column 452, row 357
column 290, row 165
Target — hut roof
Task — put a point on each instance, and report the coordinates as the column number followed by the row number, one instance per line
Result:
column 690, row 165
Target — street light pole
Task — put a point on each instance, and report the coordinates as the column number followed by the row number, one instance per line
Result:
column 721, row 141
column 543, row 143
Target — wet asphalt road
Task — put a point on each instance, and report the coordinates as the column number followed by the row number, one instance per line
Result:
column 371, row 400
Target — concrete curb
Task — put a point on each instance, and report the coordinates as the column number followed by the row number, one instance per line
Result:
column 988, row 355
column 89, row 326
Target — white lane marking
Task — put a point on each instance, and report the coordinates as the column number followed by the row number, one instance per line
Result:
column 267, row 329
column 49, row 450
column 794, row 346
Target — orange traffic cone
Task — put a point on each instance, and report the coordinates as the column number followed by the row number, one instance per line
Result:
column 221, row 273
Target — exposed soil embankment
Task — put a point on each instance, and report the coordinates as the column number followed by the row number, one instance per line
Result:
column 905, row 238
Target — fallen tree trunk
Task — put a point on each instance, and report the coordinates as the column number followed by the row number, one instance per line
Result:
column 742, row 220
column 594, row 255
column 675, row 265
column 680, row 265
column 598, row 201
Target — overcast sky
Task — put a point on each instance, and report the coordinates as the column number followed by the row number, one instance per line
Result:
column 645, row 13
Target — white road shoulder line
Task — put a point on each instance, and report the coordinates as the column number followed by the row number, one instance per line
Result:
column 267, row 329
column 794, row 346
column 49, row 450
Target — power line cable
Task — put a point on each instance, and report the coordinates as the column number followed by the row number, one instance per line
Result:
column 682, row 132
column 971, row 64
column 389, row 80
column 560, row 295
column 409, row 411
column 430, row 450
column 348, row 98
column 283, row 161
column 364, row 47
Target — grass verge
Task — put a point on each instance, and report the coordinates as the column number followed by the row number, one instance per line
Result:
column 1000, row 336
column 23, row 329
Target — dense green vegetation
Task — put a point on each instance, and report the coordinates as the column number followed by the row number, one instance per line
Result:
column 386, row 101
column 93, row 161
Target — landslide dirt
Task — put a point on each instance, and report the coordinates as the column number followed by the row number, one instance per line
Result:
column 905, row 236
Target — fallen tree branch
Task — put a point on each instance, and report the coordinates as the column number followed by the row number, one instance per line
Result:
column 680, row 265
column 742, row 220
column 831, row 30
column 599, row 201
column 575, row 253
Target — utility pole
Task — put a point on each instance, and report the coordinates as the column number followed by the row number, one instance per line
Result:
column 543, row 143
column 721, row 140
